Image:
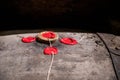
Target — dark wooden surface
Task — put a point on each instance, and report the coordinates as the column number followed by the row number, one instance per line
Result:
column 113, row 44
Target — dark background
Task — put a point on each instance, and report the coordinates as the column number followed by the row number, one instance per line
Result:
column 93, row 15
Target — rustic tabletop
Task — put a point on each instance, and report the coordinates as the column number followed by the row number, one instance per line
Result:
column 87, row 60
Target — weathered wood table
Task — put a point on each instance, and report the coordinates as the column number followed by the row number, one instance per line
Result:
column 88, row 60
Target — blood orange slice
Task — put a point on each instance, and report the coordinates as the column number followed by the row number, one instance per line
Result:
column 47, row 36
column 50, row 50
column 68, row 41
column 28, row 39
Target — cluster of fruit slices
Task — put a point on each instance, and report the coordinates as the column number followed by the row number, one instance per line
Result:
column 50, row 35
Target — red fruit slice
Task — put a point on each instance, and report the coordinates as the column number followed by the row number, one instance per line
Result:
column 50, row 50
column 28, row 39
column 49, row 34
column 69, row 41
